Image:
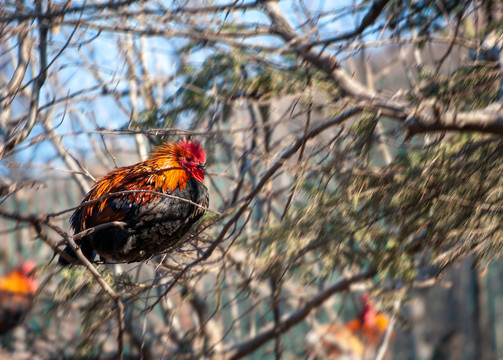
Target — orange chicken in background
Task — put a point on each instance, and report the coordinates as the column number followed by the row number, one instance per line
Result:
column 16, row 295
column 358, row 339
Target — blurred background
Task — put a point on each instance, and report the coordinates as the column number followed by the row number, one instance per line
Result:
column 359, row 142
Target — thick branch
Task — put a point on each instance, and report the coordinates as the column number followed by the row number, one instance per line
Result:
column 423, row 119
column 431, row 119
column 330, row 65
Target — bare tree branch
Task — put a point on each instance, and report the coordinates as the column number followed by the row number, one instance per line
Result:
column 23, row 133
column 429, row 117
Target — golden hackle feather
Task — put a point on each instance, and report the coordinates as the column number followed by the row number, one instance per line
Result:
column 16, row 283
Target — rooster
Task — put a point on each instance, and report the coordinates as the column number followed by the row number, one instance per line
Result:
column 16, row 294
column 356, row 340
column 170, row 197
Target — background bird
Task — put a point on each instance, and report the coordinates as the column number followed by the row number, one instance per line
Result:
column 358, row 339
column 152, row 222
column 16, row 294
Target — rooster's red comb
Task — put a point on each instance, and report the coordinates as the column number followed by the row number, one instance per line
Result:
column 195, row 149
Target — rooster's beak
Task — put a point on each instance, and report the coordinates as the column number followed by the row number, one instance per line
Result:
column 201, row 166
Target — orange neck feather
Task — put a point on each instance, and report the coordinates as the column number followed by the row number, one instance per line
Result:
column 172, row 177
column 159, row 173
